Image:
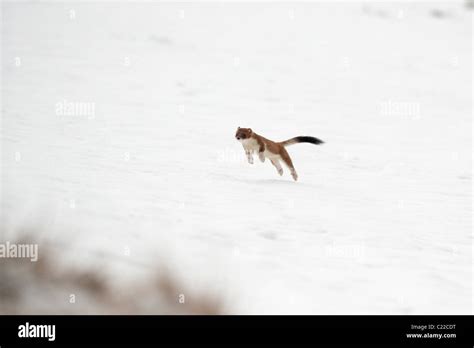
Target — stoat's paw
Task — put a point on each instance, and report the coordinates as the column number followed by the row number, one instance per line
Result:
column 294, row 175
column 261, row 156
column 280, row 171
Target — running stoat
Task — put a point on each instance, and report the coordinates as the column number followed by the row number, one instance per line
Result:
column 251, row 142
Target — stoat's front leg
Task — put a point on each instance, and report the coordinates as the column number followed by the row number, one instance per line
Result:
column 249, row 156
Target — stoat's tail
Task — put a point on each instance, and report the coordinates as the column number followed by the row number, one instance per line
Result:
column 302, row 139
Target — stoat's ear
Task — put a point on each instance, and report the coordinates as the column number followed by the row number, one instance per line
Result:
column 250, row 130
column 238, row 127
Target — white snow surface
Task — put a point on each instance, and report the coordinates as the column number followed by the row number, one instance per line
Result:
column 379, row 221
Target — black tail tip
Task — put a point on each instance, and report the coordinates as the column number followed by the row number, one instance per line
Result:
column 311, row 140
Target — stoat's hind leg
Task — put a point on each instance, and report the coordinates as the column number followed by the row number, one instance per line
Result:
column 287, row 159
column 277, row 165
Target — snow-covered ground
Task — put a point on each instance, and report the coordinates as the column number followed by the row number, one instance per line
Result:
column 118, row 148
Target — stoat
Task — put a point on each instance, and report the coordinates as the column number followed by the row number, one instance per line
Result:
column 252, row 142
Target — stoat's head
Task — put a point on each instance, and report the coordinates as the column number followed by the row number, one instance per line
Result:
column 243, row 133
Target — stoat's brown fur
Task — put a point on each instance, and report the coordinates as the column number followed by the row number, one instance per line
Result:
column 252, row 142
